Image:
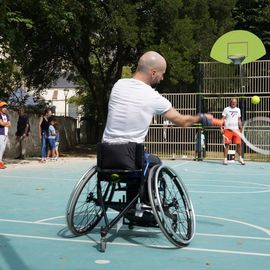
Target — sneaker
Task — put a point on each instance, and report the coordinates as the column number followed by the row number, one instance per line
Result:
column 2, row 165
column 241, row 161
column 225, row 162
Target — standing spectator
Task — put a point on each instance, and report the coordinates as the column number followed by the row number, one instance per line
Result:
column 166, row 125
column 23, row 128
column 57, row 137
column 52, row 138
column 231, row 117
column 200, row 145
column 43, row 133
column 4, row 125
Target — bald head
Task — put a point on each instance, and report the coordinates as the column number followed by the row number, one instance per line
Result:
column 233, row 102
column 151, row 60
column 151, row 68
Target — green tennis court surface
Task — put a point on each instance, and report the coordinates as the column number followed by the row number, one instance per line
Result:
column 231, row 205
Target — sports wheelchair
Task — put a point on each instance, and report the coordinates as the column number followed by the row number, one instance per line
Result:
column 123, row 180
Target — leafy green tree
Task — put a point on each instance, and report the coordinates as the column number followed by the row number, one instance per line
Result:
column 10, row 75
column 254, row 16
column 95, row 39
column 10, row 78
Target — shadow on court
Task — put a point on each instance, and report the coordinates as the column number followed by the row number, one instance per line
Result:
column 10, row 256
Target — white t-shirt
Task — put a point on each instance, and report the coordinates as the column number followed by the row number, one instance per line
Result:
column 5, row 119
column 51, row 132
column 132, row 106
column 231, row 117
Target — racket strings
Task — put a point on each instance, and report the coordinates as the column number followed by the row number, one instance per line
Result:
column 257, row 133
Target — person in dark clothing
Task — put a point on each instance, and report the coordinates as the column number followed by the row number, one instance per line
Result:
column 43, row 133
column 23, row 128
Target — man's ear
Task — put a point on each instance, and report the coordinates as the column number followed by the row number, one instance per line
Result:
column 153, row 72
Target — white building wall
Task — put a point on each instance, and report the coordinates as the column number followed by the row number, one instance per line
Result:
column 56, row 97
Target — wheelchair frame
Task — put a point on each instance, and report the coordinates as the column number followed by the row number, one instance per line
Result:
column 167, row 205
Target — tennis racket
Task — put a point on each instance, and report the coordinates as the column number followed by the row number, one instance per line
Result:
column 256, row 134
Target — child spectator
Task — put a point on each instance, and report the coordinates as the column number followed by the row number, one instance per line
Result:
column 200, row 145
column 52, row 138
column 56, row 126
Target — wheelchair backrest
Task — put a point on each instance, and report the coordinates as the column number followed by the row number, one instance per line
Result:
column 126, row 156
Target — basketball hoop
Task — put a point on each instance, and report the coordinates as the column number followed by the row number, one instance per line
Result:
column 236, row 59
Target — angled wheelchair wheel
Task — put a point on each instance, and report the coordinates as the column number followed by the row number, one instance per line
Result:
column 84, row 210
column 171, row 205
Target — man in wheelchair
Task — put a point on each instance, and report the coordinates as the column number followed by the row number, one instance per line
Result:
column 155, row 194
column 132, row 106
column 133, row 103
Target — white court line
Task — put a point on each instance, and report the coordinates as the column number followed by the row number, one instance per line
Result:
column 32, row 222
column 257, row 227
column 232, row 181
column 249, row 184
column 238, row 222
column 191, row 170
column 224, row 186
column 42, row 178
column 229, row 252
column 46, row 219
column 57, row 217
column 263, row 190
column 233, row 236
column 197, row 215
column 180, row 164
column 229, row 192
column 137, row 245
column 143, row 229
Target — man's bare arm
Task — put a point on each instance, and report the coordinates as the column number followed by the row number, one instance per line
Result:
column 5, row 124
column 240, row 124
column 180, row 119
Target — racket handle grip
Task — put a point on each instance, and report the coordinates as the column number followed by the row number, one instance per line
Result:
column 217, row 122
column 209, row 120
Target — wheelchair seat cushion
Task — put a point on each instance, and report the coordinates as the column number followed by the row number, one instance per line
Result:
column 127, row 156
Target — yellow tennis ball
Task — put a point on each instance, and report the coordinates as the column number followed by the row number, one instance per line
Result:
column 255, row 100
column 115, row 177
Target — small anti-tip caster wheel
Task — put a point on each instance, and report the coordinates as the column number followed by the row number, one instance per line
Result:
column 102, row 245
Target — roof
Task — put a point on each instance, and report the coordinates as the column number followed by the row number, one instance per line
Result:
column 62, row 82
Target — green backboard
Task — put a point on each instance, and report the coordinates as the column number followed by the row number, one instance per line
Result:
column 238, row 47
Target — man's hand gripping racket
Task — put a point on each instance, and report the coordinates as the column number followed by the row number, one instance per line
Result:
column 208, row 120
